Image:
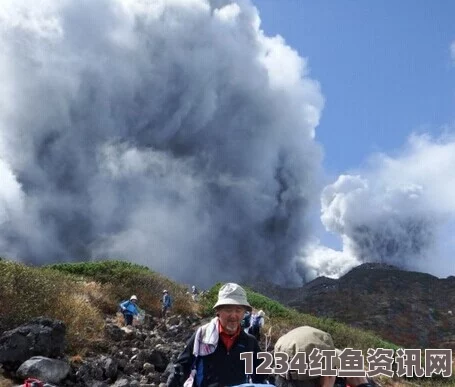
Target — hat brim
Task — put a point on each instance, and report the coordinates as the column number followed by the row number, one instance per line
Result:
column 231, row 301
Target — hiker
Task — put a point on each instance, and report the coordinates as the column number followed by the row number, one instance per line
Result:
column 129, row 309
column 305, row 339
column 166, row 303
column 194, row 293
column 212, row 354
column 246, row 321
column 257, row 322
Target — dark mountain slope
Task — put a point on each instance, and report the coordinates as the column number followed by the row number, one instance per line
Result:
column 408, row 308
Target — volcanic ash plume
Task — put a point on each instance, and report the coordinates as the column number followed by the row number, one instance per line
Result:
column 171, row 133
column 399, row 211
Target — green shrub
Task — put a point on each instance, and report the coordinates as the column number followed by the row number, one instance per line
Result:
column 27, row 292
column 107, row 271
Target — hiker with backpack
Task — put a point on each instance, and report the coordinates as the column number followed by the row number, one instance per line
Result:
column 246, row 321
column 305, row 339
column 212, row 354
column 194, row 293
column 257, row 322
column 129, row 309
column 166, row 303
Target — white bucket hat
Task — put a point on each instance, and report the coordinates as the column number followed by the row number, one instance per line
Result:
column 232, row 294
column 133, row 297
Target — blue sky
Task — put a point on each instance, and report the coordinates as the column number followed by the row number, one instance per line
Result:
column 384, row 67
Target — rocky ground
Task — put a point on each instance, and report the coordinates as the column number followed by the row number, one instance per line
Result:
column 126, row 356
column 137, row 356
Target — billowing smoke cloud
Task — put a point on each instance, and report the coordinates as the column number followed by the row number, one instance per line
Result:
column 171, row 133
column 400, row 211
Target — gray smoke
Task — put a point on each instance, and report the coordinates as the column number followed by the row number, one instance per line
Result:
column 400, row 210
column 383, row 224
column 170, row 133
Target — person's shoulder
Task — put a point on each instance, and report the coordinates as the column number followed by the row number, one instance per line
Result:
column 248, row 338
column 191, row 338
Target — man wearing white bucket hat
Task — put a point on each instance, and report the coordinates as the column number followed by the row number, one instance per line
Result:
column 212, row 355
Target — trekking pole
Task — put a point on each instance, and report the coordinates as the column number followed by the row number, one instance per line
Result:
column 268, row 339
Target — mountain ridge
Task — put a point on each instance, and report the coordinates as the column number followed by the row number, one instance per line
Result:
column 406, row 307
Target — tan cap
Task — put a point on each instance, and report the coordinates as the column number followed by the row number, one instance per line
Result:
column 304, row 339
column 232, row 294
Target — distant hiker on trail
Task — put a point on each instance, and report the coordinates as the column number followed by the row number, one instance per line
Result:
column 305, row 339
column 246, row 321
column 257, row 322
column 129, row 309
column 212, row 354
column 166, row 303
column 194, row 293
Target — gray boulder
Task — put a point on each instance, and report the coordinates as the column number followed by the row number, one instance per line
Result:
column 45, row 369
column 102, row 369
column 122, row 383
column 110, row 367
column 40, row 337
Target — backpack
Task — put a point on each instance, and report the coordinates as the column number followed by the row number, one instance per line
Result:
column 32, row 382
column 246, row 321
column 256, row 322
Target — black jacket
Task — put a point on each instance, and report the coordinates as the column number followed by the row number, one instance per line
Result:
column 221, row 368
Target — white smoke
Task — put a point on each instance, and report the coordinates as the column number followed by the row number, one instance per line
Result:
column 400, row 211
column 171, row 133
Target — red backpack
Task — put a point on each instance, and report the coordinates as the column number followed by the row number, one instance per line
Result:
column 31, row 382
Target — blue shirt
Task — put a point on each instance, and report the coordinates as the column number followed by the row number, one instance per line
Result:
column 129, row 307
column 167, row 300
